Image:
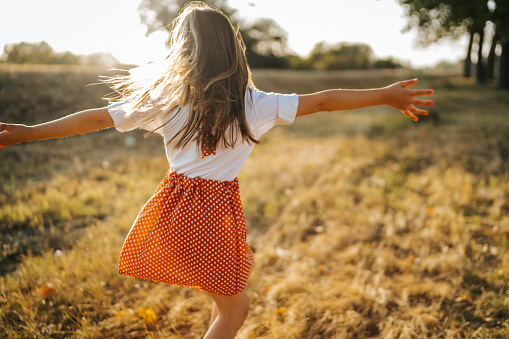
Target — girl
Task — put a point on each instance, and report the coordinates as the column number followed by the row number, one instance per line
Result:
column 203, row 102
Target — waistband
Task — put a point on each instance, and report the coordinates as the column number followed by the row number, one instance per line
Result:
column 205, row 184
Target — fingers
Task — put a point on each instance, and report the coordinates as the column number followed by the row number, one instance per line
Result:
column 408, row 83
column 416, row 92
column 410, row 115
column 418, row 101
column 419, row 92
column 5, row 127
column 416, row 110
column 412, row 110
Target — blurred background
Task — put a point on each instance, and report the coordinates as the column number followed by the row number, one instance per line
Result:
column 364, row 224
column 283, row 34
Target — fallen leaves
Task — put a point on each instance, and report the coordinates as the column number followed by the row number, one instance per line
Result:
column 47, row 290
column 281, row 310
column 463, row 298
column 148, row 315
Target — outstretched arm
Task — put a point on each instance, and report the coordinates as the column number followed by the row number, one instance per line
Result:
column 73, row 124
column 397, row 95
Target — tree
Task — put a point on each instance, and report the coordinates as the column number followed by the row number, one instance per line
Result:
column 340, row 56
column 500, row 15
column 490, row 63
column 266, row 42
column 159, row 14
column 451, row 18
column 389, row 63
column 29, row 53
column 43, row 53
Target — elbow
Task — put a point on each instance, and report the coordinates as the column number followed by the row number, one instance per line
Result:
column 310, row 104
column 320, row 107
column 323, row 102
column 104, row 123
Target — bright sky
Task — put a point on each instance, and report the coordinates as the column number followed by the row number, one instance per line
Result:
column 85, row 27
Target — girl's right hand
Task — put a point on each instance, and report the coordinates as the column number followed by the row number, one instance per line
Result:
column 13, row 134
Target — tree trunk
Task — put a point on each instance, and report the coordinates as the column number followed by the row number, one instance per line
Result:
column 503, row 76
column 468, row 60
column 490, row 66
column 479, row 74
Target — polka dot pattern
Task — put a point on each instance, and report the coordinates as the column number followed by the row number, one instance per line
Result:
column 206, row 151
column 192, row 233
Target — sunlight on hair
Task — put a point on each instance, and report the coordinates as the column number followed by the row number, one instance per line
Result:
column 207, row 69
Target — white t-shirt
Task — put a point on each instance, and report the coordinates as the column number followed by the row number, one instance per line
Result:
column 263, row 112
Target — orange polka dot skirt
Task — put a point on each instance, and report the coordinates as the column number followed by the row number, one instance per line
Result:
column 191, row 233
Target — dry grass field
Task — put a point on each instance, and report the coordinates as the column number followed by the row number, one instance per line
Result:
column 364, row 224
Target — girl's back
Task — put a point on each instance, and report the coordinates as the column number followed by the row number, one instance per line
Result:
column 262, row 110
column 199, row 90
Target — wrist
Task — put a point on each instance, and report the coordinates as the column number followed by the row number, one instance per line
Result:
column 384, row 96
column 29, row 133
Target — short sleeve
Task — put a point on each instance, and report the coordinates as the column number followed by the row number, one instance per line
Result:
column 125, row 123
column 273, row 109
column 122, row 123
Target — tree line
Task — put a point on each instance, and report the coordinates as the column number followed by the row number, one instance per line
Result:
column 42, row 53
column 267, row 43
column 323, row 57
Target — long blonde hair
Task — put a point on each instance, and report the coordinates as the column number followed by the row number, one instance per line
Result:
column 205, row 69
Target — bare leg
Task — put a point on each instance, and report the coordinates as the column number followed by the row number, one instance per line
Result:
column 214, row 313
column 232, row 312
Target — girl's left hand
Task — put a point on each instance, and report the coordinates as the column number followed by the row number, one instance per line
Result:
column 399, row 96
column 13, row 134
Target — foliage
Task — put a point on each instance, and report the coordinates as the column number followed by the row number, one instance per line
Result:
column 364, row 224
column 439, row 19
column 389, row 62
column 266, row 42
column 156, row 14
column 43, row 53
column 435, row 20
column 36, row 53
column 341, row 56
